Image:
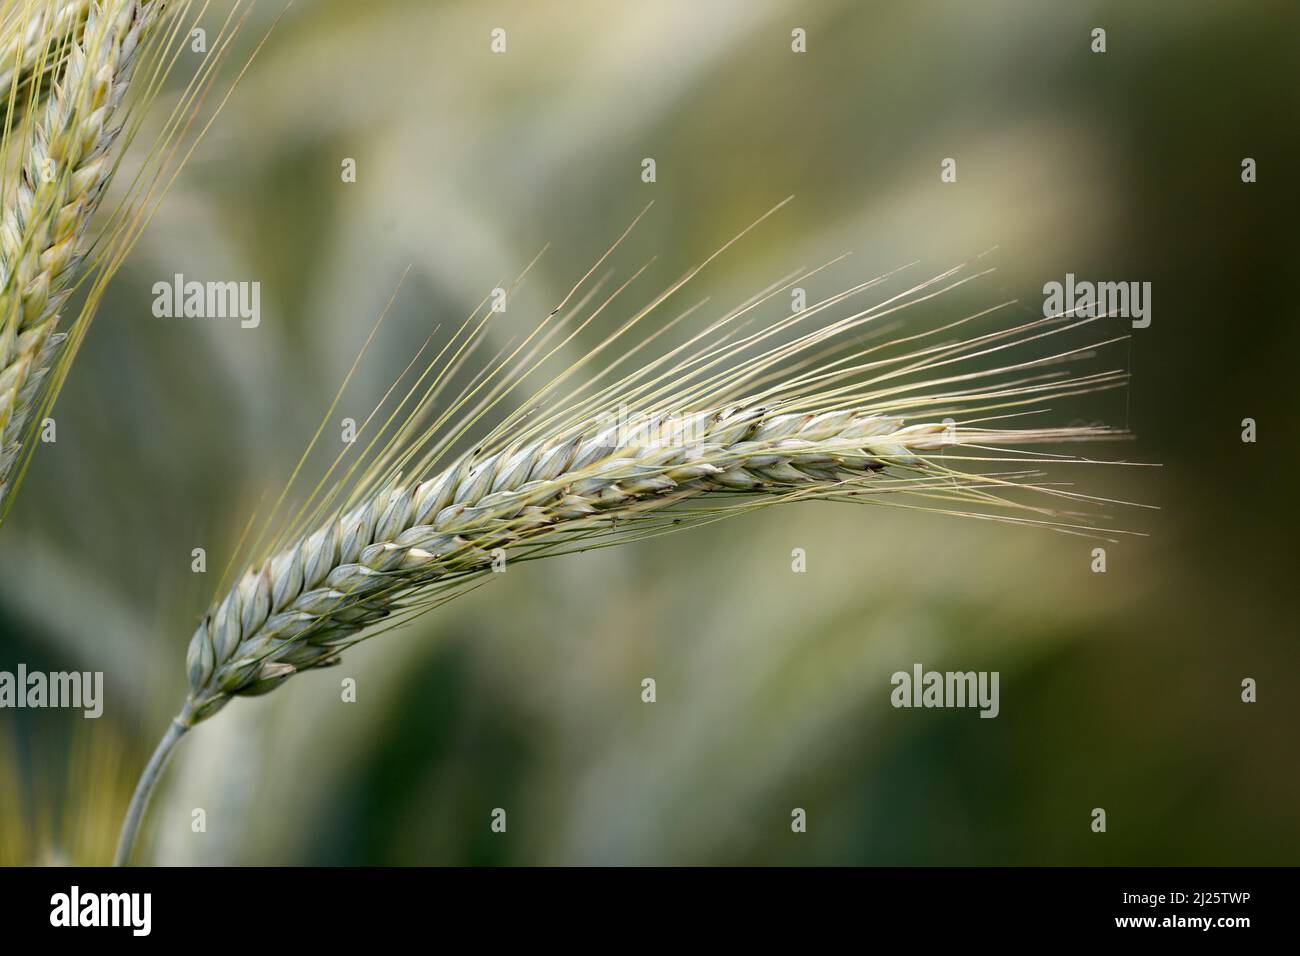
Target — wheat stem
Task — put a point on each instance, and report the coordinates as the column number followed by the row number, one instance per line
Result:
column 144, row 788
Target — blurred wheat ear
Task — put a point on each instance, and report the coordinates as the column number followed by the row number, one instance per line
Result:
column 76, row 77
column 623, row 444
column 34, row 39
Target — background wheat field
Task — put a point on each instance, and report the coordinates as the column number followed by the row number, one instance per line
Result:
column 1119, row 690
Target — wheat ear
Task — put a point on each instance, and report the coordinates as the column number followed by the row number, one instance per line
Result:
column 64, row 170
column 766, row 420
column 31, row 47
column 304, row 605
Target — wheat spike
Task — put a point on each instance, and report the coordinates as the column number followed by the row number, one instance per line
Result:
column 723, row 423
column 31, row 46
column 308, row 602
column 65, row 166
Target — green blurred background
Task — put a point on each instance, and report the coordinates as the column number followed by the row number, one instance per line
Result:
column 1119, row 690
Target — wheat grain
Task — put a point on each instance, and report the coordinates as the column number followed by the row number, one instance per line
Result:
column 64, row 170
